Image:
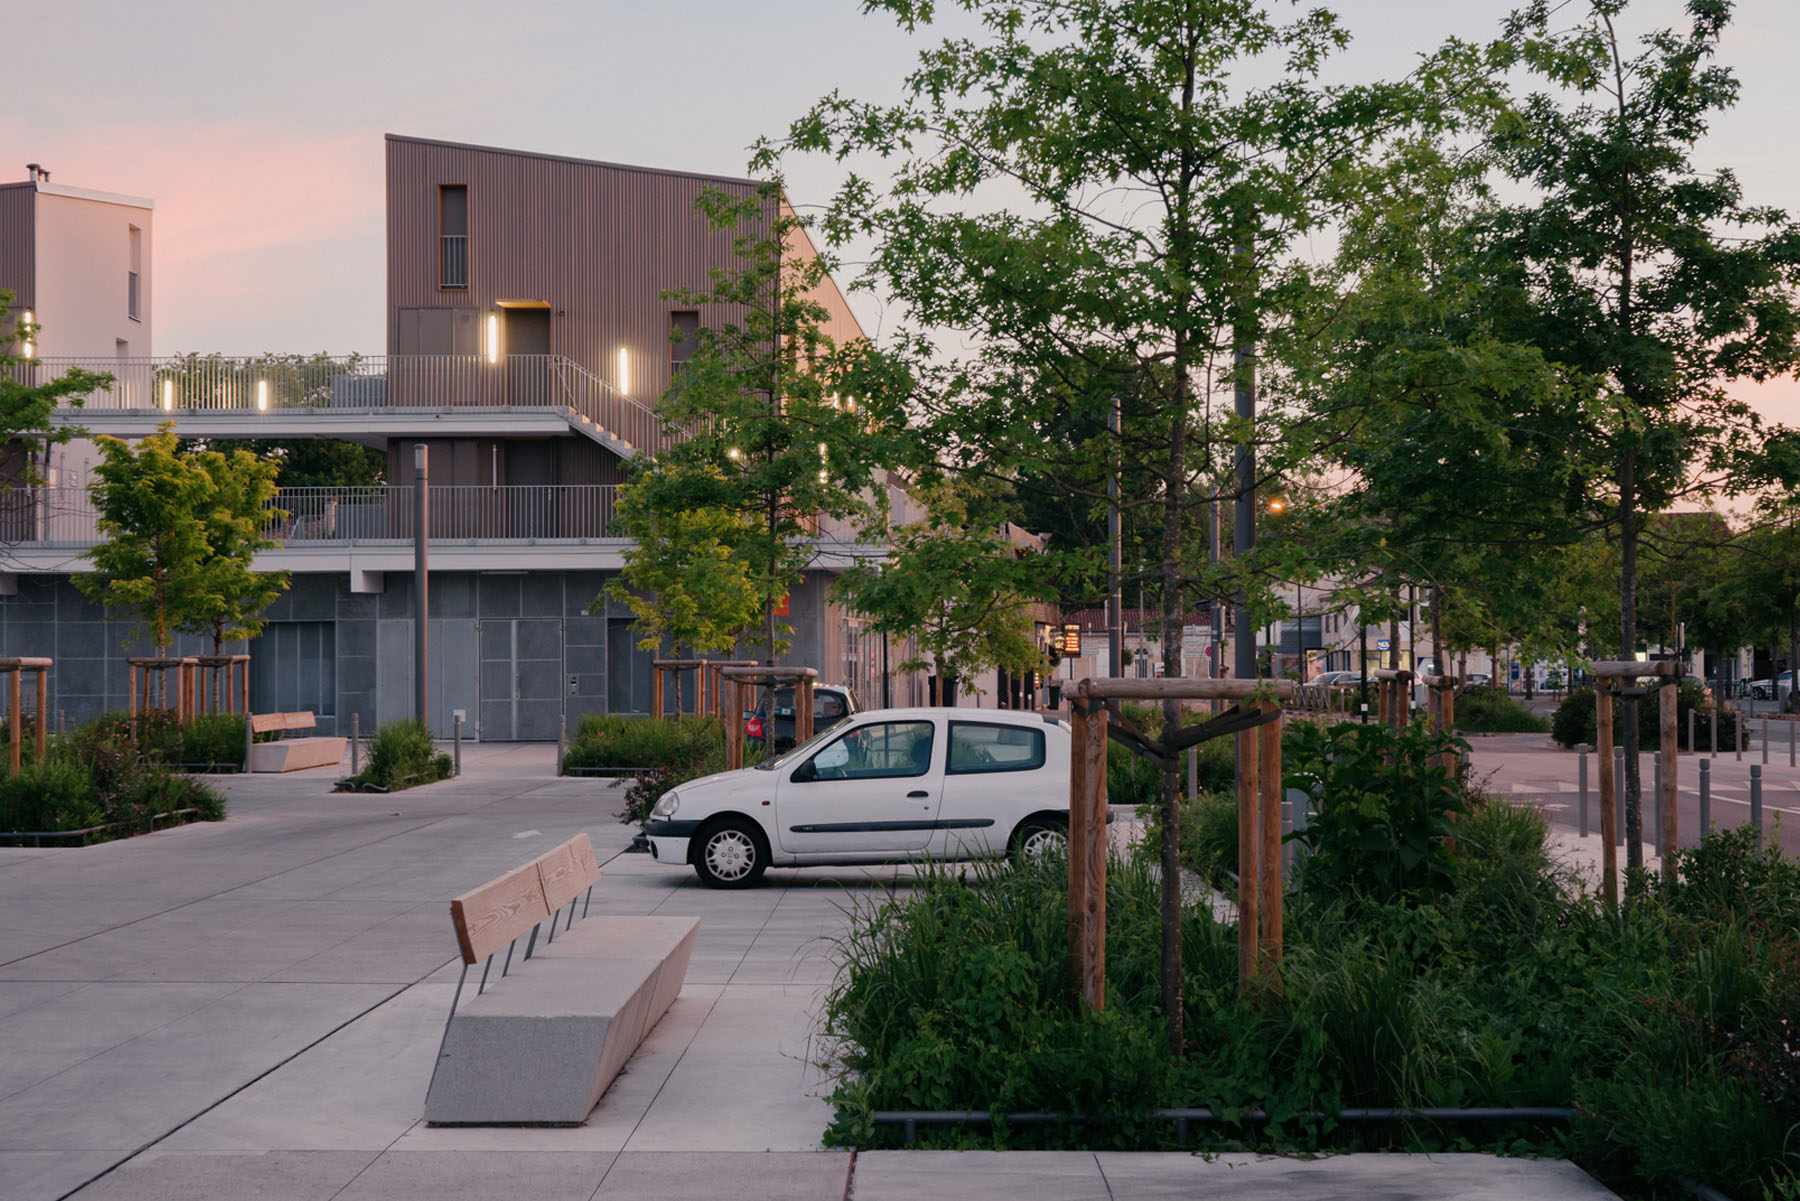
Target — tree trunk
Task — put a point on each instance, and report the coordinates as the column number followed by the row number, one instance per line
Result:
column 1628, row 548
column 1170, row 791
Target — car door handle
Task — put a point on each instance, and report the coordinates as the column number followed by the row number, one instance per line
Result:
column 918, row 792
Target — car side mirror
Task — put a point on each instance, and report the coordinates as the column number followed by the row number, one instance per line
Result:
column 804, row 773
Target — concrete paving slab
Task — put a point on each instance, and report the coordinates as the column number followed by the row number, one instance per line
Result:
column 747, row 1078
column 16, row 996
column 740, row 1176
column 360, row 1089
column 142, row 1088
column 977, row 1176
column 479, row 1176
column 38, row 1043
column 33, row 1174
column 276, row 1176
column 1162, row 1176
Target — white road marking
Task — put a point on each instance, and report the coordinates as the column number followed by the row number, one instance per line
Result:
column 529, row 834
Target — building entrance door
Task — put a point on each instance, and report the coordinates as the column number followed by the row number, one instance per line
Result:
column 521, row 678
column 528, row 357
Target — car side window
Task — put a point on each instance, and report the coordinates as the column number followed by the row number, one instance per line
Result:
column 828, row 707
column 978, row 747
column 881, row 750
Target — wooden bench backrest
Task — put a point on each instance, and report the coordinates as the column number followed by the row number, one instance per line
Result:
column 262, row 723
column 489, row 917
column 567, row 871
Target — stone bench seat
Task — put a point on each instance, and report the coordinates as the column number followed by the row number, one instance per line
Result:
column 542, row 1049
column 540, row 1043
column 292, row 754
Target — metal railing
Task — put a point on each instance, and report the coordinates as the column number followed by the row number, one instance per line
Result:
column 187, row 384
column 453, row 261
column 65, row 518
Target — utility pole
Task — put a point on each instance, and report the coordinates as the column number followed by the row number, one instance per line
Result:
column 1115, row 536
column 421, row 587
column 1244, row 507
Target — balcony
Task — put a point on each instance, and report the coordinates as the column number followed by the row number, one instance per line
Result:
column 276, row 396
column 64, row 519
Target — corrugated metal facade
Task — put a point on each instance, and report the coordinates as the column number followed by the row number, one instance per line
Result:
column 597, row 243
column 18, row 243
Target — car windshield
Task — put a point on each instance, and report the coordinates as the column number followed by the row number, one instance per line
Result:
column 803, row 749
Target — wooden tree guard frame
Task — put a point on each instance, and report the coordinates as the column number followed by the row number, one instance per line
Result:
column 802, row 678
column 716, row 691
column 184, row 668
column 1393, row 695
column 1256, row 723
column 15, row 714
column 1612, row 678
column 1440, row 710
column 708, row 690
column 234, row 697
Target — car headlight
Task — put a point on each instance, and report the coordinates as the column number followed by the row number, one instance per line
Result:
column 666, row 807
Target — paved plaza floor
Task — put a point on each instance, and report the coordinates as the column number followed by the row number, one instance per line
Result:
column 252, row 1008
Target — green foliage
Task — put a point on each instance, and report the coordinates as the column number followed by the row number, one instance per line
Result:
column 954, row 585
column 1132, row 779
column 683, row 580
column 99, row 774
column 182, row 530
column 1670, row 1026
column 1491, row 711
column 1384, row 809
column 1209, row 836
column 662, row 752
column 320, row 462
column 1576, row 719
column 402, row 754
column 26, row 408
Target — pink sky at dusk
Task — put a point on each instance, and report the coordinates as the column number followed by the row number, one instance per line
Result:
column 258, row 130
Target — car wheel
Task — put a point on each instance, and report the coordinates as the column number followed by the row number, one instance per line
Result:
column 1040, row 836
column 730, row 853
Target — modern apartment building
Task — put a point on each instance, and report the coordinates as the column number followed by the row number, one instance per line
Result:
column 528, row 338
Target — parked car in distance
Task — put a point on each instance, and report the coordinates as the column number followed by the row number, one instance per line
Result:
column 1477, row 679
column 1770, row 689
column 1340, row 679
column 887, row 785
column 831, row 704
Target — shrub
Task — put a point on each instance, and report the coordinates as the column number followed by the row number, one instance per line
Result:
column 1490, row 711
column 53, row 795
column 1382, row 808
column 1575, row 720
column 1132, row 779
column 609, row 740
column 402, row 754
column 212, row 738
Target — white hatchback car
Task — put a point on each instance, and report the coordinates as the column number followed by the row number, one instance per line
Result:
column 881, row 786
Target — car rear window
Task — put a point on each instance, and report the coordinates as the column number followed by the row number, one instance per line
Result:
column 977, row 747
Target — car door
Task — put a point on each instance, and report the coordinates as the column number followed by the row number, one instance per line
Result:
column 994, row 775
column 871, row 791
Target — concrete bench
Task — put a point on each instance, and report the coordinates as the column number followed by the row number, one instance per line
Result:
column 292, row 754
column 542, row 1047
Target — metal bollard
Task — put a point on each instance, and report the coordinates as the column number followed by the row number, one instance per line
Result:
column 1756, row 802
column 1793, row 729
column 1705, row 797
column 1581, row 786
column 1765, row 754
column 355, row 741
column 562, row 738
column 1193, row 773
column 1691, row 745
column 456, row 734
column 1658, row 811
column 1619, row 796
column 1714, row 723
column 1741, row 731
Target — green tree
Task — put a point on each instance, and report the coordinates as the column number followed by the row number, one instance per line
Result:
column 783, row 425
column 1166, row 153
column 320, row 462
column 227, row 596
column 1651, row 276
column 150, row 501
column 26, row 403
column 955, row 585
column 683, row 580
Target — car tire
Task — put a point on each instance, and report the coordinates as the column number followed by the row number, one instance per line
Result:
column 1037, row 836
column 730, row 853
